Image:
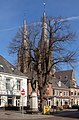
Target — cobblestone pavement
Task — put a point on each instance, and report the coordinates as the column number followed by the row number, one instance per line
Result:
column 13, row 115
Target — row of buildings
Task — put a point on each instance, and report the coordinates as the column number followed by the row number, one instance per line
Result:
column 62, row 88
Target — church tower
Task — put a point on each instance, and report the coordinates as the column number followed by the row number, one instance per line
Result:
column 46, row 42
column 23, row 53
column 44, row 35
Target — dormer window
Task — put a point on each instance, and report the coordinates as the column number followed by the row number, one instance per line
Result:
column 66, row 77
column 1, row 67
column 75, row 85
column 12, row 69
column 59, row 83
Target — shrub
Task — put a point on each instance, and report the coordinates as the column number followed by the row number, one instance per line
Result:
column 53, row 107
column 74, row 106
column 60, row 108
column 65, row 106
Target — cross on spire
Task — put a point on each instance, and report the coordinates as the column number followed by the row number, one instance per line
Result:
column 44, row 6
column 25, row 14
column 44, row 3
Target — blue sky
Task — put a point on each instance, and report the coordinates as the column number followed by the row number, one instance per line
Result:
column 12, row 13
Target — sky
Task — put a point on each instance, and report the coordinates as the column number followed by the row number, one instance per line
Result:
column 12, row 13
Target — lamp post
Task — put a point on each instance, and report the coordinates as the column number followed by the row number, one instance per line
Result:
column 54, row 99
column 54, row 102
column 61, row 97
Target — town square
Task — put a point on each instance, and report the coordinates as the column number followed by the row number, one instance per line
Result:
column 39, row 59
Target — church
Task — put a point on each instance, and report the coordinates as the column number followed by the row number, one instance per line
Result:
column 59, row 87
column 62, row 88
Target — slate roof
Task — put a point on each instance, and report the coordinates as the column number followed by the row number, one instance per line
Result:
column 55, row 83
column 67, row 77
column 7, row 67
column 65, row 74
column 70, row 83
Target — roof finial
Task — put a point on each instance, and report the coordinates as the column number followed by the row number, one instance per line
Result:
column 24, row 14
column 44, row 3
column 24, row 24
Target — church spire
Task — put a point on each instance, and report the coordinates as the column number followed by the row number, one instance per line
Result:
column 24, row 25
column 23, row 51
column 44, row 14
column 24, row 39
column 44, row 25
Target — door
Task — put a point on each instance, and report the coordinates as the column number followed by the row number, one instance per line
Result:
column 10, row 101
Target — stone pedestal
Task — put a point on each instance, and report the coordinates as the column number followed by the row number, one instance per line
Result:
column 34, row 101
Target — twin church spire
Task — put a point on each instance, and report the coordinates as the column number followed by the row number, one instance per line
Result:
column 23, row 53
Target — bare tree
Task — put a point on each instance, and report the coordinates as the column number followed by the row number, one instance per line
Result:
column 47, row 51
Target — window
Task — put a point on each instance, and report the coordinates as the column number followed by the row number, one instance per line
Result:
column 75, row 85
column 66, row 102
column 54, row 92
column 12, row 69
column 59, row 83
column 1, row 68
column 18, row 85
column 71, row 93
column 60, row 93
column 75, row 93
column 0, row 100
column 66, row 77
column 17, row 100
column 49, row 102
column 57, row 93
column 64, row 93
column 8, row 83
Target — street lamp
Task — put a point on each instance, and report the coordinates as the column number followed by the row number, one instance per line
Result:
column 54, row 100
column 61, row 97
